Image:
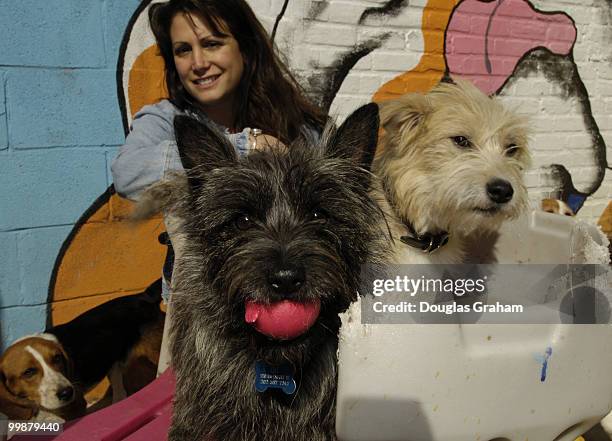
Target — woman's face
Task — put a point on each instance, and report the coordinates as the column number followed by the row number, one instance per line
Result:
column 209, row 66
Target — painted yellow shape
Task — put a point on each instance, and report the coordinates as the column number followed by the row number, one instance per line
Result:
column 146, row 84
column 431, row 67
column 108, row 257
column 605, row 221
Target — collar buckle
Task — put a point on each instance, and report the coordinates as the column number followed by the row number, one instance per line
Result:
column 427, row 243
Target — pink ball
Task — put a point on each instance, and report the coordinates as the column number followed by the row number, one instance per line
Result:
column 284, row 320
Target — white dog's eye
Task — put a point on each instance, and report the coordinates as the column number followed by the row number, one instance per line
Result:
column 512, row 150
column 462, row 141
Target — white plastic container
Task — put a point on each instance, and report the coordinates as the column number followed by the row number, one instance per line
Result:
column 481, row 382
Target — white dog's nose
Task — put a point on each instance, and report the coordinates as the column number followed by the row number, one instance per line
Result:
column 499, row 190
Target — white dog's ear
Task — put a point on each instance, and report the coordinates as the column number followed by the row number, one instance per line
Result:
column 403, row 114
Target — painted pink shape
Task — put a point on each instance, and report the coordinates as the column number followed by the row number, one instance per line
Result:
column 499, row 33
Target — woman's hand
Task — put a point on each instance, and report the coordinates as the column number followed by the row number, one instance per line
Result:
column 263, row 141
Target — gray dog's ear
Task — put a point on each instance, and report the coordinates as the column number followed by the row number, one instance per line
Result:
column 201, row 146
column 403, row 114
column 357, row 137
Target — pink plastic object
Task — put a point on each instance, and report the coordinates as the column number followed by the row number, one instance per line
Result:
column 144, row 416
column 284, row 320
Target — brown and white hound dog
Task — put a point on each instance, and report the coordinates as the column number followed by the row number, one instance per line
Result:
column 49, row 372
column 34, row 374
column 557, row 206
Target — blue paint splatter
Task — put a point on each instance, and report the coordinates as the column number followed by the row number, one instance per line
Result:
column 547, row 355
column 575, row 201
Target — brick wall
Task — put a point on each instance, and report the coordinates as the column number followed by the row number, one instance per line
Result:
column 60, row 121
column 565, row 88
column 59, row 126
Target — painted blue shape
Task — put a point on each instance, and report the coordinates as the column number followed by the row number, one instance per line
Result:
column 575, row 201
column 21, row 320
column 3, row 125
column 9, row 273
column 544, row 360
column 49, row 187
column 117, row 14
column 3, row 132
column 274, row 377
column 62, row 33
column 67, row 107
column 110, row 155
column 37, row 250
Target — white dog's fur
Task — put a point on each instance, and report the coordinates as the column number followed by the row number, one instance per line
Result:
column 437, row 159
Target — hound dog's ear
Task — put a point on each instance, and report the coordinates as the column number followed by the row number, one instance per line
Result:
column 68, row 362
column 202, row 147
column 357, row 137
column 13, row 407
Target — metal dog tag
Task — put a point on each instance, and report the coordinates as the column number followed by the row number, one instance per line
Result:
column 276, row 377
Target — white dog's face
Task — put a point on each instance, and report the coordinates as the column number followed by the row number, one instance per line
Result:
column 454, row 159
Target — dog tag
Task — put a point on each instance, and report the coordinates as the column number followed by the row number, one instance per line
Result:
column 276, row 377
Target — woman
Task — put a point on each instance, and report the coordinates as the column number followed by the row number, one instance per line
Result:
column 220, row 65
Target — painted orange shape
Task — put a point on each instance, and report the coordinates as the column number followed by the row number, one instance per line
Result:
column 106, row 256
column 431, row 67
column 146, row 80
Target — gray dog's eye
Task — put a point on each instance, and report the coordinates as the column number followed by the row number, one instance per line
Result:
column 318, row 215
column 244, row 222
column 462, row 141
column 512, row 150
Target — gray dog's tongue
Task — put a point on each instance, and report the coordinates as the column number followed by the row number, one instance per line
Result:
column 284, row 320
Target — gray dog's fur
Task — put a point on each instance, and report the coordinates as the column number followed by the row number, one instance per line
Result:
column 307, row 206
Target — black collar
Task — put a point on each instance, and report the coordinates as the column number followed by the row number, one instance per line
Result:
column 428, row 242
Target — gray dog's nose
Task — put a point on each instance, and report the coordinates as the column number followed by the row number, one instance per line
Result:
column 65, row 394
column 499, row 190
column 287, row 280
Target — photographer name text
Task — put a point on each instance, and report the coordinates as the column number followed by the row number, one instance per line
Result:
column 445, row 308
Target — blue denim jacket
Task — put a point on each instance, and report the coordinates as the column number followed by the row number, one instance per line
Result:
column 150, row 150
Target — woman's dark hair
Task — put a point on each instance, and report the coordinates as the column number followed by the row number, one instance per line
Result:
column 268, row 96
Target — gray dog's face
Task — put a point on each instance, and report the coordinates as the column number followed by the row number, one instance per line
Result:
column 279, row 235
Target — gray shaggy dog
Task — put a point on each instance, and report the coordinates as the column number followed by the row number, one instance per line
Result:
column 274, row 244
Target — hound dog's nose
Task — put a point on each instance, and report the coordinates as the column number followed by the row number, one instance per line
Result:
column 287, row 280
column 499, row 190
column 66, row 393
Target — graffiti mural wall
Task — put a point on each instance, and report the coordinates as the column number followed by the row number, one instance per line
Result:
column 548, row 59
column 72, row 75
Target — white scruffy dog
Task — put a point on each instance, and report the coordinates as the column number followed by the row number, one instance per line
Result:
column 451, row 164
